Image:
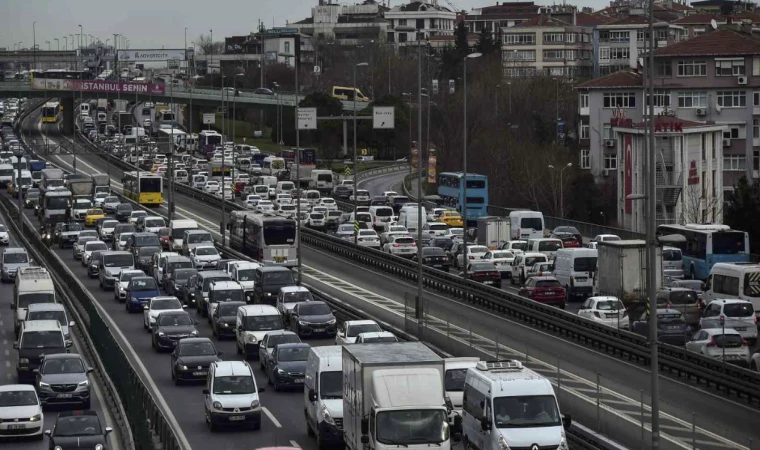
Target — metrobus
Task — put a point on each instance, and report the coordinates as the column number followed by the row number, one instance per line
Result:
column 65, row 74
column 208, row 140
column 269, row 239
column 308, row 156
column 706, row 245
column 451, row 191
column 146, row 188
column 51, row 112
column 178, row 137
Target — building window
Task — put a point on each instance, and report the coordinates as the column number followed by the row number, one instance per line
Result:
column 554, row 54
column 402, row 22
column 571, row 38
column 756, row 128
column 756, row 99
column 585, row 128
column 619, row 53
column 584, row 100
column 287, row 47
column 729, row 67
column 735, row 162
column 391, row 37
column 607, row 131
column 520, row 55
column 663, row 69
column 520, row 39
column 610, row 161
column 614, row 36
column 620, row 99
column 733, row 133
column 755, row 159
column 692, row 99
column 604, row 53
column 402, row 37
column 420, row 25
column 554, row 37
column 732, row 99
column 692, row 68
column 585, row 159
column 661, row 98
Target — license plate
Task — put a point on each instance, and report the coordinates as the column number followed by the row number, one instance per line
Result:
column 198, row 374
column 279, row 259
column 740, row 328
column 488, row 282
column 64, row 396
column 609, row 316
column 319, row 330
column 298, row 380
column 16, row 427
column 237, row 418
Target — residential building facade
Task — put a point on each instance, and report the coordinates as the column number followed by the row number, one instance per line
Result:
column 347, row 25
column 504, row 15
column 427, row 18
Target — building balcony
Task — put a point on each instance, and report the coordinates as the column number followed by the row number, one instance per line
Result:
column 585, row 111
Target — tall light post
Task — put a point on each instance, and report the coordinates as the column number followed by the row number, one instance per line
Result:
column 298, row 170
column 561, row 188
column 211, row 56
column 65, row 43
column 187, row 72
column 48, row 43
column 34, row 45
column 221, row 199
column 57, row 43
column 356, row 230
column 464, row 165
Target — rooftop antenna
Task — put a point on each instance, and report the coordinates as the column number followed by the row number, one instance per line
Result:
column 714, row 24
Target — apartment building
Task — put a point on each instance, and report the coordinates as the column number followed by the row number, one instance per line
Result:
column 347, row 25
column 504, row 15
column 698, row 24
column 546, row 45
column 428, row 18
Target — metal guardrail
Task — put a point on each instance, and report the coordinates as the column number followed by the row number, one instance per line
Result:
column 732, row 381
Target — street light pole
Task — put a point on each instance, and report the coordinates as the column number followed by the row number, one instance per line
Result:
column 356, row 202
column 464, row 167
column 298, row 171
column 57, row 43
column 561, row 189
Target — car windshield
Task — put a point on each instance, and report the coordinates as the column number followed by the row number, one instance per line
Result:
column 671, row 255
column 529, row 261
column 152, row 223
column 58, row 366
column 124, row 208
column 403, row 427
column 175, row 320
column 143, row 284
column 482, row 267
column 282, row 339
column 206, row 251
column 568, row 230
column 227, row 309
column 527, row 411
column 197, row 349
column 245, row 274
column 356, row 330
column 549, row 246
column 165, row 303
column 234, row 385
column 682, row 297
column 229, row 295
column 278, row 277
column 15, row 258
column 146, row 240
column 197, row 238
column 728, row 340
column 18, row 398
column 432, row 251
column 331, row 385
column 111, row 200
column 42, row 339
column 91, row 247
column 146, row 252
column 179, row 233
column 85, row 239
column 609, row 305
column 314, row 309
column 548, row 284
column 80, row 425
column 585, row 264
column 60, row 316
column 262, row 323
column 532, row 222
column 109, row 224
column 118, row 261
column 697, row 285
column 35, row 297
column 671, row 318
column 378, row 339
column 738, row 309
column 293, row 353
column 453, row 380
column 295, row 297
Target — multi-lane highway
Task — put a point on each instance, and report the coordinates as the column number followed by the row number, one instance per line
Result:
column 9, row 358
column 721, row 423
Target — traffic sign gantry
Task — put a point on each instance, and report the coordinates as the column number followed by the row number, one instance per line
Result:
column 307, row 118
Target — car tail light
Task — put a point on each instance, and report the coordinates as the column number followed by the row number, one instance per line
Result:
column 745, row 343
column 596, row 313
column 712, row 342
column 495, row 264
column 755, row 319
column 261, row 255
column 540, row 274
column 361, row 239
column 395, row 245
column 414, row 244
column 471, row 257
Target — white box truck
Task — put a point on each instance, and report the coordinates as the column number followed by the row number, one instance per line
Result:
column 394, row 397
column 493, row 231
column 622, row 268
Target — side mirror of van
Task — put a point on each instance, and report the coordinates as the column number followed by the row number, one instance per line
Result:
column 206, row 391
column 72, row 324
column 567, row 421
column 365, row 426
column 312, row 395
column 485, row 425
column 68, row 343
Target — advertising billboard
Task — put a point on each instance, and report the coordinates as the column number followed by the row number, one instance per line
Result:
column 235, row 44
column 431, row 171
column 150, row 55
column 110, row 87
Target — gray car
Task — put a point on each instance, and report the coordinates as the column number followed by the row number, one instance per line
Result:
column 12, row 260
column 63, row 379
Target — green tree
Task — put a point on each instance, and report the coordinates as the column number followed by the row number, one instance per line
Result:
column 742, row 210
column 462, row 44
column 486, row 44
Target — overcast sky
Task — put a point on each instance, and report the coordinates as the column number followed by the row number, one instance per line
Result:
column 156, row 23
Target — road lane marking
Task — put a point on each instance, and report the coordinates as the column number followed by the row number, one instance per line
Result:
column 295, row 444
column 271, row 417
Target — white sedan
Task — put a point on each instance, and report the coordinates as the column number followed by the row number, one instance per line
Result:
column 605, row 310
column 136, row 215
column 402, row 245
column 474, row 252
column 252, row 200
column 361, row 196
column 328, row 203
column 265, row 206
column 4, row 239
column 158, row 305
column 20, row 412
column 502, row 259
column 283, row 199
column 99, row 198
column 211, row 186
column 120, row 287
column 368, row 238
column 351, row 329
column 90, row 247
column 287, row 211
column 731, row 347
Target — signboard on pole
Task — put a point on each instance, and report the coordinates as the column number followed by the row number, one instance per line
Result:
column 307, row 118
column 383, row 117
column 415, row 157
column 209, row 118
column 431, row 173
column 150, row 55
column 435, row 87
column 451, row 86
column 108, row 87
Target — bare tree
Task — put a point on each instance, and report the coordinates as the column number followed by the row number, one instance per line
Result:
column 698, row 206
column 207, row 46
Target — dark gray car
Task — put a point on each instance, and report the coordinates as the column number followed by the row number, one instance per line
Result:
column 63, row 379
column 313, row 318
column 79, row 429
column 170, row 327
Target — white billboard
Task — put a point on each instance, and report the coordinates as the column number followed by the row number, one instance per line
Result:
column 151, row 55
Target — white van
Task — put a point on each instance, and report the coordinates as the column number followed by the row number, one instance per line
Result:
column 672, row 263
column 199, row 181
column 381, row 215
column 177, row 230
column 455, row 374
column 251, row 324
column 273, row 165
column 33, row 285
column 740, row 281
column 509, row 406
column 312, row 196
column 323, row 395
column 547, row 246
column 181, row 176
column 283, row 187
column 408, row 218
column 526, row 225
column 574, row 269
column 84, row 109
column 322, row 180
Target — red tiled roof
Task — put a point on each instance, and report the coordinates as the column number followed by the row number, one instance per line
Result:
column 699, row 19
column 633, row 20
column 542, row 21
column 585, row 19
column 720, row 42
column 679, row 7
column 622, row 79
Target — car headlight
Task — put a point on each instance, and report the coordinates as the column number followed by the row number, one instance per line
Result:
column 563, row 444
column 84, row 383
column 23, row 360
column 194, row 332
column 57, row 447
column 217, row 405
column 99, row 447
column 503, row 445
column 161, row 333
column 280, row 371
column 268, row 294
column 326, row 416
column 225, row 324
column 182, row 367
column 251, row 339
column 301, row 322
column 35, row 418
column 331, row 322
column 134, row 300
column 44, row 385
column 255, row 404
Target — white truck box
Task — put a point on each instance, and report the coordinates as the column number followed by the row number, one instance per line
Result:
column 493, row 231
column 622, row 269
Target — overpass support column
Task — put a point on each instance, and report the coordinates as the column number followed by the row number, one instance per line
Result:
column 68, row 115
column 345, row 138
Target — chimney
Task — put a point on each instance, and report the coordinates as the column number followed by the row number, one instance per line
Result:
column 575, row 20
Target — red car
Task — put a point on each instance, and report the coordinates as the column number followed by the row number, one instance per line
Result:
column 568, row 240
column 163, row 237
column 239, row 186
column 545, row 290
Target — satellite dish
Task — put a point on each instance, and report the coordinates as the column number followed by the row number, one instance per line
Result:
column 714, row 24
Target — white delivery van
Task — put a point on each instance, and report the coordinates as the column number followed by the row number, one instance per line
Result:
column 408, row 218
column 547, row 246
column 526, row 224
column 574, row 269
column 323, row 395
column 251, row 324
column 741, row 281
column 381, row 215
column 177, row 230
column 455, row 374
column 283, row 187
column 33, row 285
column 181, row 176
column 507, row 405
column 321, row 180
column 672, row 263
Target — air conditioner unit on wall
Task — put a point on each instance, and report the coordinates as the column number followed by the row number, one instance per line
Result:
column 609, row 143
column 741, row 79
column 606, row 172
column 726, row 142
column 701, row 111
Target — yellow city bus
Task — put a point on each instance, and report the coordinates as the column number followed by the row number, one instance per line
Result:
column 51, row 112
column 145, row 188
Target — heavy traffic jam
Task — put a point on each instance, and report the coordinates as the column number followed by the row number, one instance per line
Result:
column 362, row 385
